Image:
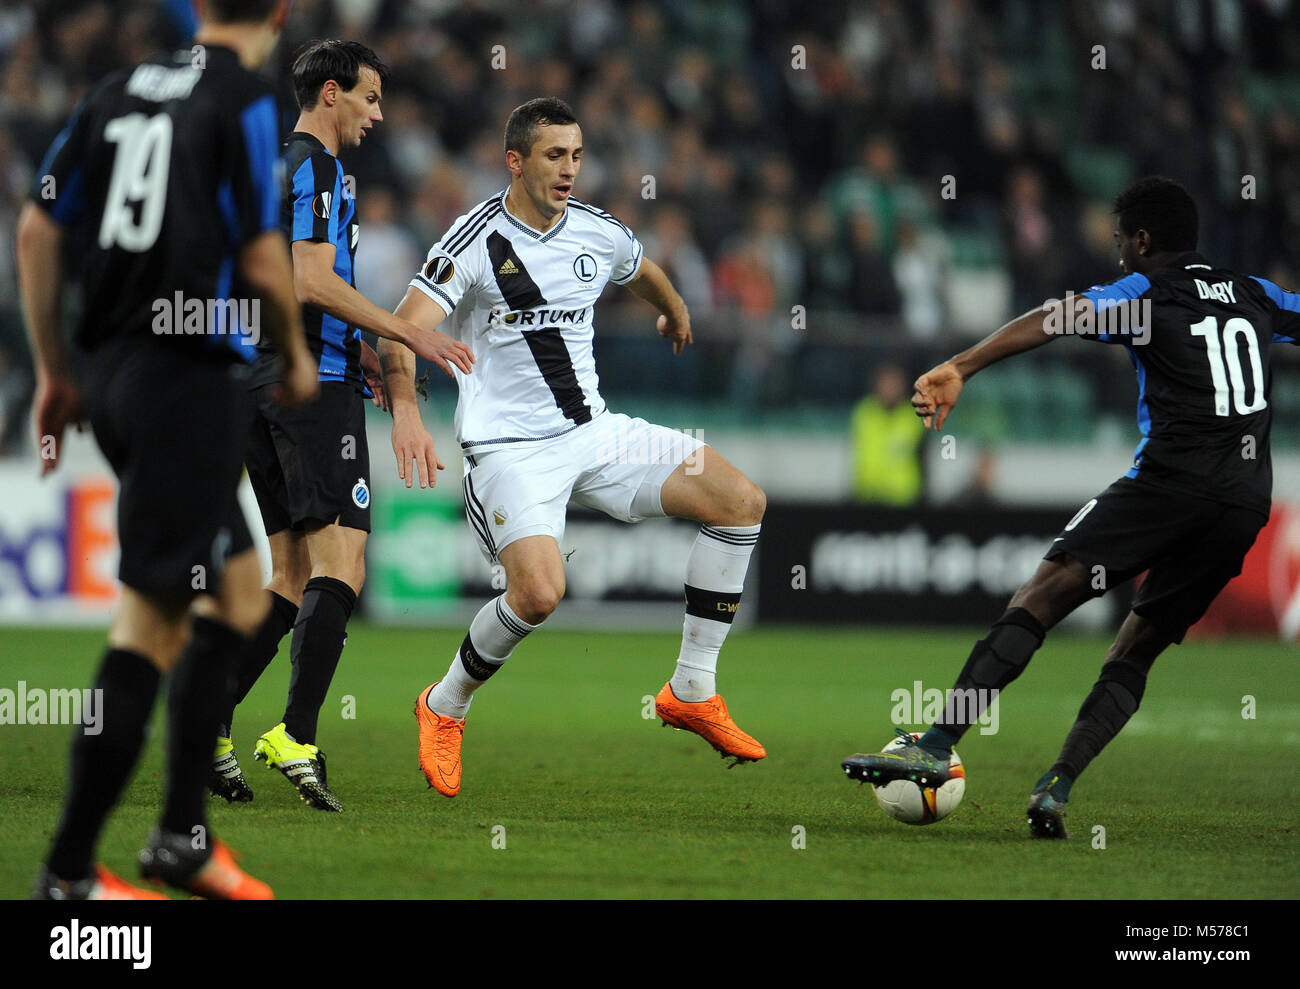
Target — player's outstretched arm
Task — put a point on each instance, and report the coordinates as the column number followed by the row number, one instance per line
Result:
column 264, row 264
column 319, row 285
column 412, row 444
column 39, row 242
column 653, row 285
column 938, row 389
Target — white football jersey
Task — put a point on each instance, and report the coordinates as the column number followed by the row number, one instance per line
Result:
column 522, row 301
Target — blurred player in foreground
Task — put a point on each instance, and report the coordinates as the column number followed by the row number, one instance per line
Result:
column 164, row 181
column 519, row 276
column 1187, row 511
column 310, row 466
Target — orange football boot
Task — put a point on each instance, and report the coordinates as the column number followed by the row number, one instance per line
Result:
column 439, row 746
column 168, row 858
column 111, row 887
column 222, row 879
column 710, row 720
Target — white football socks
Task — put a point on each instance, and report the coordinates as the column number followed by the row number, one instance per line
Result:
column 493, row 635
column 715, row 576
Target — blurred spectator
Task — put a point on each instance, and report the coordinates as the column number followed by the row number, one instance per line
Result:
column 828, row 270
column 919, row 270
column 1038, row 246
column 872, row 291
column 669, row 244
column 876, row 187
column 797, row 152
column 885, row 436
column 388, row 256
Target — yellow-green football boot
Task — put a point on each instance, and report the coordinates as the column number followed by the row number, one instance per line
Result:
column 302, row 765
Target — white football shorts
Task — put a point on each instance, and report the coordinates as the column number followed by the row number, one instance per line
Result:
column 614, row 464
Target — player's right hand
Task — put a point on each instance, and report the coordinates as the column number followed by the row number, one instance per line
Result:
column 58, row 405
column 441, row 350
column 936, row 393
column 299, row 383
column 413, row 447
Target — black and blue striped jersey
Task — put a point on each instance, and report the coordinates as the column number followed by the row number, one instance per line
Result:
column 319, row 205
column 1199, row 336
column 160, row 176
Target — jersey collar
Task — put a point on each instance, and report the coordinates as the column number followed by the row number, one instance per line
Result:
column 1193, row 260
column 302, row 135
column 537, row 235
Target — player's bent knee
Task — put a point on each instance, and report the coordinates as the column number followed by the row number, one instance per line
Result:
column 755, row 504
column 535, row 603
column 748, row 504
column 245, row 612
column 356, row 577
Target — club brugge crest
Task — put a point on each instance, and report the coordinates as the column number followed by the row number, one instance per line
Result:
column 361, row 493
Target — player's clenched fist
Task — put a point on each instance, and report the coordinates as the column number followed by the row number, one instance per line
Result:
column 936, row 393
column 677, row 329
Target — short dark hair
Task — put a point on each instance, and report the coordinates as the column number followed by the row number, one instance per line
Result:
column 240, row 11
column 1161, row 207
column 317, row 62
column 521, row 128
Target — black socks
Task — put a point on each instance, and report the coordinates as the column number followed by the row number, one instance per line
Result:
column 257, row 657
column 199, row 692
column 1113, row 700
column 993, row 664
column 101, row 764
column 318, row 637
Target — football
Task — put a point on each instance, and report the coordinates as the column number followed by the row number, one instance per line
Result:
column 913, row 803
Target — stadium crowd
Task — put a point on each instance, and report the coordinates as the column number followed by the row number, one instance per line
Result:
column 847, row 157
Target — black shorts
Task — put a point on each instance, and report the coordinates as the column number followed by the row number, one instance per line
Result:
column 310, row 465
column 171, row 422
column 1191, row 546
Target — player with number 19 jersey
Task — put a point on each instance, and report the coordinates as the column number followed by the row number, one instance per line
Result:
column 523, row 300
column 159, row 177
column 1203, row 374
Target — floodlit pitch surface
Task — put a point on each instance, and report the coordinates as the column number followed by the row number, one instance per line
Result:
column 570, row 792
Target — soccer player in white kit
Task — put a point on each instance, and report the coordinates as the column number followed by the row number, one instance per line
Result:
column 516, row 280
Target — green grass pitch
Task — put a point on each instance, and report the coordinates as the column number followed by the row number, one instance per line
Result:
column 592, row 800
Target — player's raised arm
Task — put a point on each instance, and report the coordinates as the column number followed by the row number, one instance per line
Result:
column 938, row 389
column 412, row 444
column 651, row 284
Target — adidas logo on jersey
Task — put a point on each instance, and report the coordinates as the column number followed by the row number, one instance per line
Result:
column 508, row 267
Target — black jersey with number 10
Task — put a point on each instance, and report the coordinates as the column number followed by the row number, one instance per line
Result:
column 1199, row 339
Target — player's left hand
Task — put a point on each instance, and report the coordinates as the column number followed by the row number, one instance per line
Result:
column 374, row 375
column 677, row 329
column 58, row 405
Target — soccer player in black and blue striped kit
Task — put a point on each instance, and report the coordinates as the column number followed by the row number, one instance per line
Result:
column 310, row 466
column 1186, row 512
column 162, row 188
